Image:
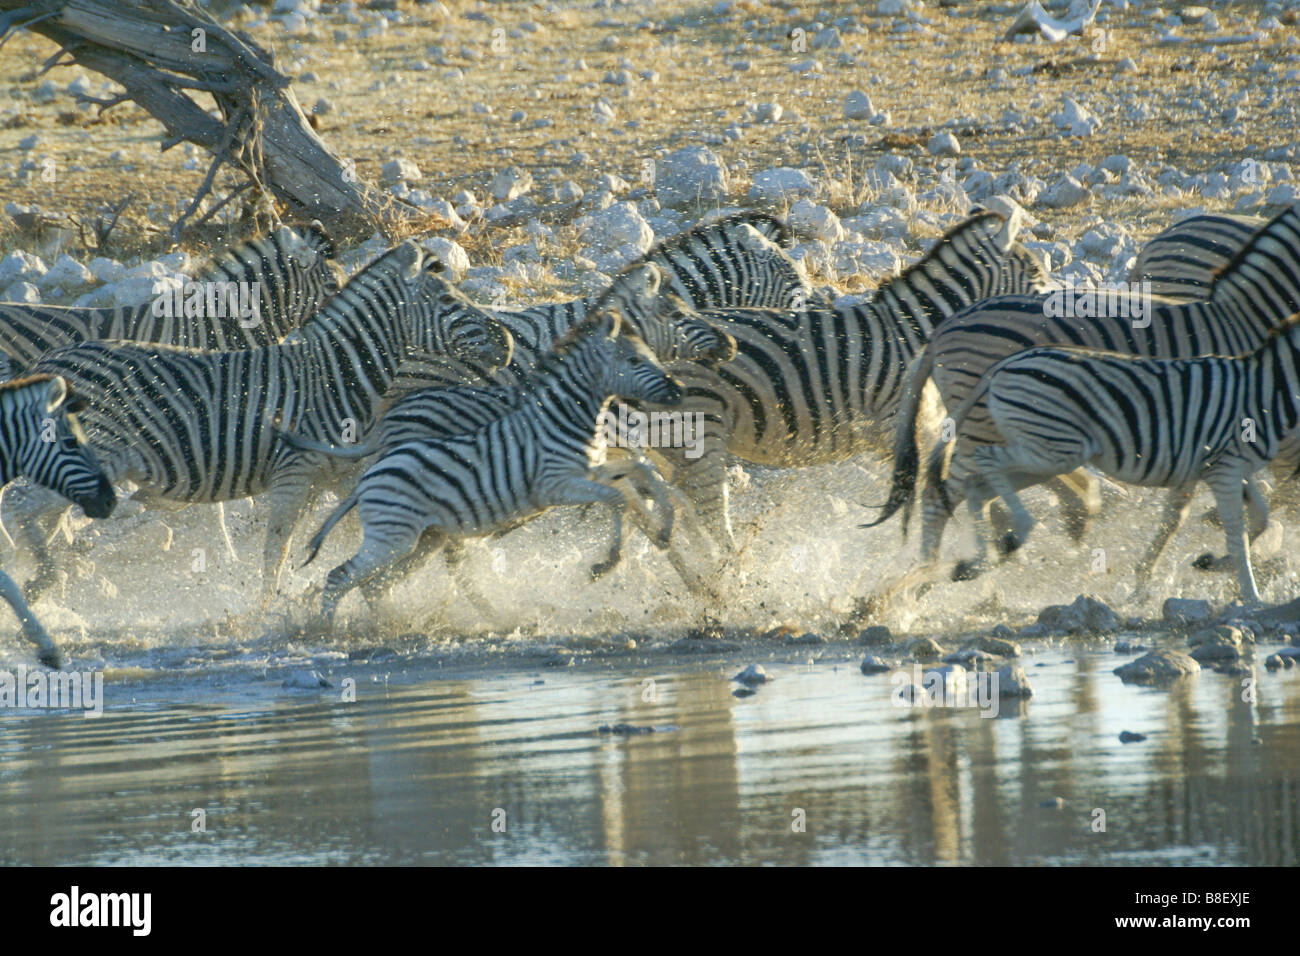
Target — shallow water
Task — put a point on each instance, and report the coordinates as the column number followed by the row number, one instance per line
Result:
column 417, row 769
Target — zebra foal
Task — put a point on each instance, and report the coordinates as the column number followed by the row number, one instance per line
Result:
column 41, row 440
column 547, row 451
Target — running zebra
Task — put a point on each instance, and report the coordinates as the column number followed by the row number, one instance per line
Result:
column 733, row 261
column 190, row 426
column 817, row 385
column 1181, row 261
column 547, row 451
column 291, row 274
column 1165, row 423
column 1254, row 293
column 41, row 440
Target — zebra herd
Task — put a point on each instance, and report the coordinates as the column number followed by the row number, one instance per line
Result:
column 438, row 420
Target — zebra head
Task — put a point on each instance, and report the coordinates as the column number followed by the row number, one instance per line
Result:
column 635, row 372
column 694, row 338
column 451, row 323
column 661, row 320
column 44, row 443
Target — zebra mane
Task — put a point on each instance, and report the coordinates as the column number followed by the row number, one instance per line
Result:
column 18, row 384
column 904, row 278
column 1220, row 277
column 767, row 225
column 314, row 236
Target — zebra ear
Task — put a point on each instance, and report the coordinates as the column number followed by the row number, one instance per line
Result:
column 56, row 392
column 653, row 278
column 411, row 259
column 612, row 323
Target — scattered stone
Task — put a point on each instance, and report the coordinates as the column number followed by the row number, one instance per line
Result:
column 510, row 183
column 807, row 218
column 972, row 658
column 943, row 144
column 1158, row 667
column 780, row 184
column 306, row 680
column 1127, row 647
column 1129, row 737
column 1013, row 682
column 752, row 675
column 807, row 638
column 875, row 665
column 876, row 635
column 1000, row 646
column 1065, row 192
column 857, row 106
column 66, row 273
column 619, row 226
column 1183, row 612
column 924, row 649
column 743, row 692
column 398, row 171
column 1085, row 615
column 688, row 176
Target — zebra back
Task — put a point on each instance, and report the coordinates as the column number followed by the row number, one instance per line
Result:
column 283, row 278
column 1181, row 261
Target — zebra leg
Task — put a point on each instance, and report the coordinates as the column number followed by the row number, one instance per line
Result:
column 375, row 553
column 1226, row 485
column 575, row 490
column 701, row 472
column 40, row 515
column 1257, row 508
column 378, row 587
column 1078, row 496
column 225, row 532
column 1176, row 504
column 290, row 496
column 992, row 467
column 32, row 629
column 646, row 482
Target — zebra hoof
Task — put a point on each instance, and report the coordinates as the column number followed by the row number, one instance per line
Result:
column 1009, row 544
column 965, row 571
column 1205, row 562
column 602, row 568
column 50, row 658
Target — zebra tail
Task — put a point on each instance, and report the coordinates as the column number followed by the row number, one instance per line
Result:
column 364, row 450
column 902, row 491
column 346, row 505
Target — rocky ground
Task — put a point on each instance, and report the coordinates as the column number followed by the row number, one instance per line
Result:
column 550, row 143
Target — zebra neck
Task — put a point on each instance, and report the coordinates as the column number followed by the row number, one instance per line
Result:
column 569, row 397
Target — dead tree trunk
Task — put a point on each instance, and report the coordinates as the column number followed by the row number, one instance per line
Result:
column 164, row 52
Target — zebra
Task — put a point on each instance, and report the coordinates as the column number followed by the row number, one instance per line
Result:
column 736, row 260
column 1166, row 423
column 1180, row 262
column 1253, row 293
column 41, row 440
column 291, row 271
column 546, row 451
column 816, row 385
column 190, row 426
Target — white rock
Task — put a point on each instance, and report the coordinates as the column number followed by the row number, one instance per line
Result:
column 857, row 105
column 943, row 144
column 618, row 226
column 693, row 174
column 817, row 221
column 510, row 183
column 398, row 171
column 139, row 289
column 21, row 266
column 23, row 292
column 453, row 257
column 1065, row 192
column 66, row 273
column 106, row 270
column 779, row 184
column 1075, row 119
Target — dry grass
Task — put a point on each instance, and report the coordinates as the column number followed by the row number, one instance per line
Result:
column 426, row 116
